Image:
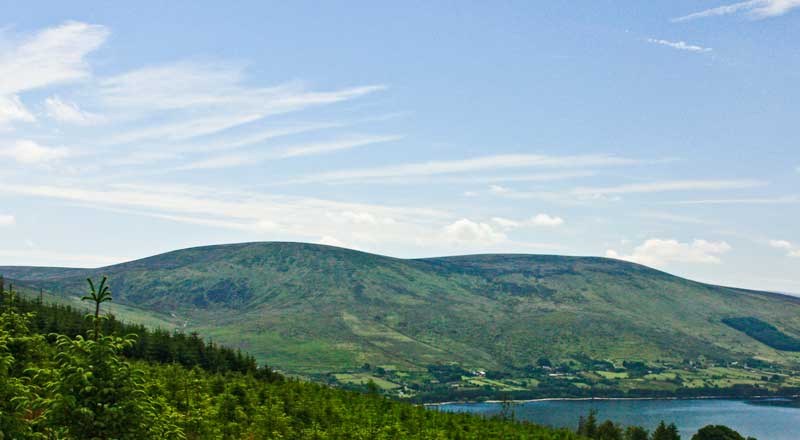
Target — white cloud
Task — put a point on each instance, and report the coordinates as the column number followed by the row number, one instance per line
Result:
column 539, row 220
column 29, row 152
column 12, row 110
column 332, row 241
column 69, row 112
column 677, row 185
column 7, row 220
column 506, row 223
column 666, row 216
column 465, row 231
column 273, row 216
column 363, row 218
column 54, row 55
column 781, row 244
column 658, row 252
column 199, row 99
column 755, row 9
column 783, row 200
column 42, row 257
column 315, row 149
column 498, row 189
column 496, row 162
column 680, row 45
column 546, row 220
column 789, row 247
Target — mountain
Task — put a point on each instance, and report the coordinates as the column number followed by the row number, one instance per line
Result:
column 307, row 308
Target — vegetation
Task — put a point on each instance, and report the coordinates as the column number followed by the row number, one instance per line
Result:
column 718, row 432
column 604, row 327
column 608, row 430
column 111, row 386
column 57, row 386
column 764, row 332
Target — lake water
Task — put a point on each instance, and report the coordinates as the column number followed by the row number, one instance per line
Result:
column 765, row 420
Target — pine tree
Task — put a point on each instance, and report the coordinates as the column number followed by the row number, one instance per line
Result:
column 636, row 433
column 588, row 427
column 666, row 432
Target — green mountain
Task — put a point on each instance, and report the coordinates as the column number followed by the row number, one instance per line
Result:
column 314, row 309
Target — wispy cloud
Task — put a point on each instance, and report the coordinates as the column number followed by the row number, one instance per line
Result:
column 29, row 152
column 314, row 149
column 69, row 112
column 43, row 257
column 582, row 195
column 485, row 163
column 754, row 9
column 538, row 220
column 280, row 216
column 680, row 45
column 675, row 185
column 52, row 56
column 675, row 218
column 783, row 200
column 12, row 110
column 198, row 99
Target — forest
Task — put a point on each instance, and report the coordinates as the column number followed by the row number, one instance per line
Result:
column 764, row 332
column 68, row 376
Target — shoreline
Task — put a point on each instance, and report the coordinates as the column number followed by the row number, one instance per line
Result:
column 548, row 399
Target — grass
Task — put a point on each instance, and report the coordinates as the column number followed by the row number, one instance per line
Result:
column 363, row 379
column 612, row 374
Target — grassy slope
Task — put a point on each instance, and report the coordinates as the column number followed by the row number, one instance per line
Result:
column 313, row 308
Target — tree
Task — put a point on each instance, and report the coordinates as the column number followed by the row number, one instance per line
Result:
column 608, row 430
column 587, row 427
column 98, row 395
column 666, row 432
column 636, row 433
column 99, row 296
column 718, row 432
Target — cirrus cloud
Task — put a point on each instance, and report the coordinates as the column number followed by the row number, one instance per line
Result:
column 754, row 9
column 680, row 45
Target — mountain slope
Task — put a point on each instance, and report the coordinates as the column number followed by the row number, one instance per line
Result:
column 313, row 308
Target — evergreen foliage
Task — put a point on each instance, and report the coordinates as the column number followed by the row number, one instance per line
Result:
column 764, row 332
column 718, row 432
column 71, row 387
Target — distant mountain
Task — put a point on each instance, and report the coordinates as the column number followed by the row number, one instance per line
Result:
column 310, row 308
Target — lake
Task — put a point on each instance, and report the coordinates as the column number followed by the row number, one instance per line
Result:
column 765, row 420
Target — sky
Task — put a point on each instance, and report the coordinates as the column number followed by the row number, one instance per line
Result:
column 663, row 133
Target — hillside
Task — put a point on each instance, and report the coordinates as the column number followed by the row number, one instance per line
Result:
column 315, row 309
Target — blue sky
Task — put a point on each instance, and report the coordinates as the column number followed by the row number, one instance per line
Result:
column 662, row 133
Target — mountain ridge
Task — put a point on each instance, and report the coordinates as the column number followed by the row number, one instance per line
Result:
column 311, row 308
